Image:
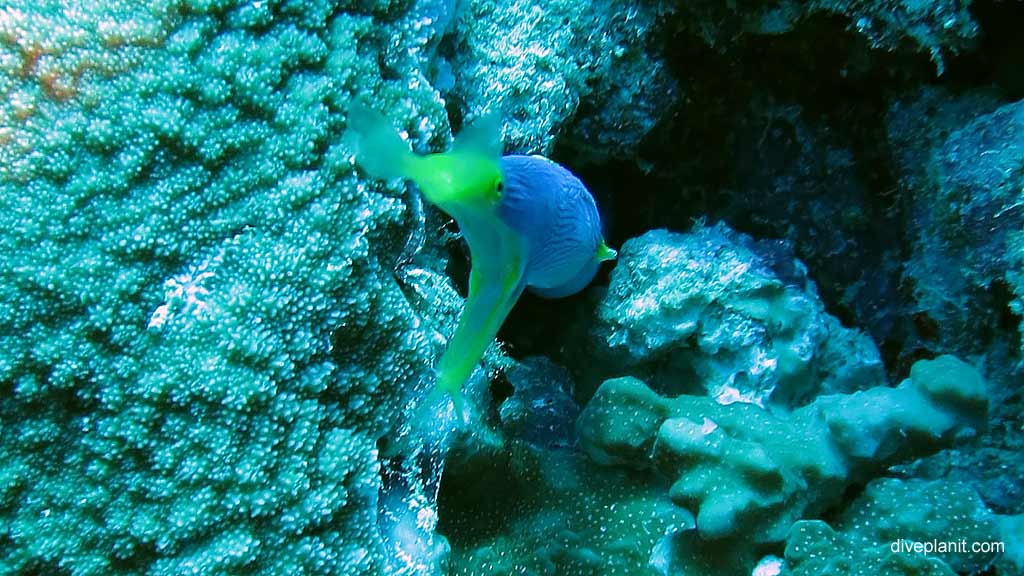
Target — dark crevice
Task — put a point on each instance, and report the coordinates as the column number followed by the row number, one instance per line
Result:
column 753, row 114
column 998, row 59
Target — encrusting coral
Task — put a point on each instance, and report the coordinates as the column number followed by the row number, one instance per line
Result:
column 741, row 469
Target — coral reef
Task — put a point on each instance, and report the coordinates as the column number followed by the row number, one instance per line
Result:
column 216, row 335
column 202, row 335
column 748, row 476
column 556, row 513
column 815, row 548
column 714, row 310
column 743, row 470
column 889, row 526
column 923, row 511
column 543, row 63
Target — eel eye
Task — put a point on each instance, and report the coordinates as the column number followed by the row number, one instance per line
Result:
column 499, row 186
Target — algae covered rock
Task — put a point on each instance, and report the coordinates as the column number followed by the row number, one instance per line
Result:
column 740, row 468
column 937, row 27
column 714, row 310
column 541, row 410
column 543, row 63
column 962, row 161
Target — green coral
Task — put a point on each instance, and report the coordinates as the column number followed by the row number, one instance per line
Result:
column 925, row 511
column 201, row 336
column 741, row 469
column 566, row 517
column 878, row 532
column 1012, row 530
column 815, row 549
